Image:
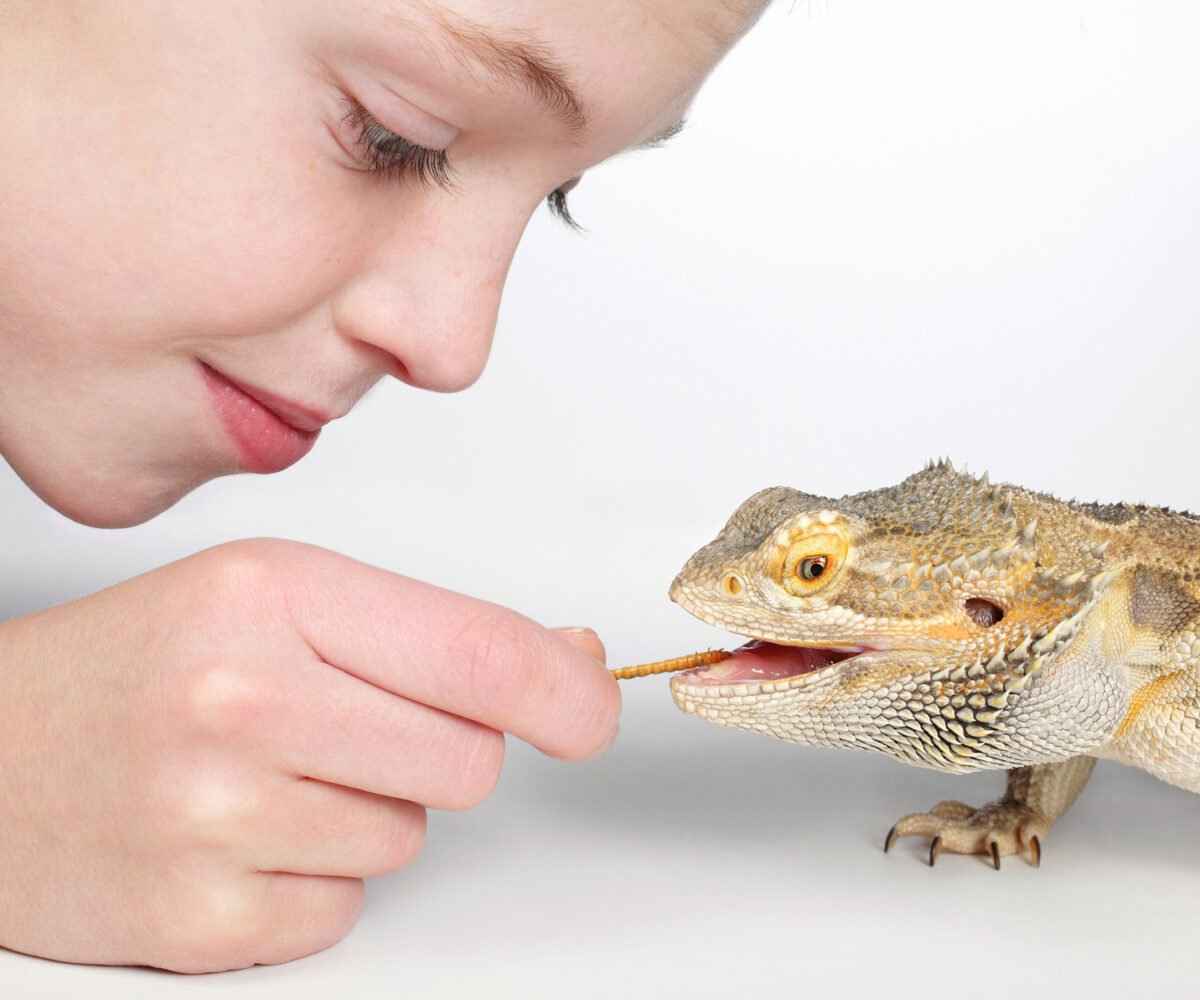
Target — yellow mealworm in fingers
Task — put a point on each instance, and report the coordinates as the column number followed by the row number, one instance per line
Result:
column 705, row 659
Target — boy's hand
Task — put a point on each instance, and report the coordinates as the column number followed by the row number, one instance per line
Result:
column 199, row 766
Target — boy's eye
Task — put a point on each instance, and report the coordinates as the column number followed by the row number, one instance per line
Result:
column 392, row 155
column 386, row 153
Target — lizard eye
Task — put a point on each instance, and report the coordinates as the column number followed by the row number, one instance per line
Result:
column 808, row 563
column 813, row 567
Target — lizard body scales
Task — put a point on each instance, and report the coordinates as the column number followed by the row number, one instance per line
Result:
column 959, row 625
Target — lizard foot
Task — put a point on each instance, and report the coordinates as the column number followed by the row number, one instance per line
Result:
column 999, row 828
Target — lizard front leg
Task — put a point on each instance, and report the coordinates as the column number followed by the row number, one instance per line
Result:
column 1035, row 797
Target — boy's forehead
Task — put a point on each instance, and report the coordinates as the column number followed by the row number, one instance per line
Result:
column 702, row 24
column 719, row 22
column 594, row 58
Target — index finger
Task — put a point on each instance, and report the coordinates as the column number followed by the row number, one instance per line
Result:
column 456, row 653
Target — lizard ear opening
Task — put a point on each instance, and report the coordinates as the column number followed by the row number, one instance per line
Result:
column 983, row 612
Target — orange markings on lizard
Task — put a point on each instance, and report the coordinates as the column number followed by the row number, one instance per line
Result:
column 1142, row 697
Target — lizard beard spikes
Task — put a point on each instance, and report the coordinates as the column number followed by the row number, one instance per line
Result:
column 957, row 625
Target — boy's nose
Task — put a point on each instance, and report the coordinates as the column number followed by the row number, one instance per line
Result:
column 431, row 304
column 439, row 332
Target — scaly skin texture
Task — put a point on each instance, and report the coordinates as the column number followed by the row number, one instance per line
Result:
column 1096, row 653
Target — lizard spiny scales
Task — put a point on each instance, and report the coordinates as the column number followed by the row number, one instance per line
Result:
column 957, row 625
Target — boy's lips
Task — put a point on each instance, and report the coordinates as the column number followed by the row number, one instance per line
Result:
column 302, row 418
column 270, row 432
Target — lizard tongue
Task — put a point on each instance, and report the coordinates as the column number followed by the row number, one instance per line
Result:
column 767, row 661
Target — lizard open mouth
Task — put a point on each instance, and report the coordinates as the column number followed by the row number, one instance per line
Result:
column 760, row 661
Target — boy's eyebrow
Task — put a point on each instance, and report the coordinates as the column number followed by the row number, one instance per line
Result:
column 526, row 62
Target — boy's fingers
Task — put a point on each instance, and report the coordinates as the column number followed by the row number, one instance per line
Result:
column 356, row 735
column 311, row 828
column 586, row 640
column 301, row 915
column 461, row 655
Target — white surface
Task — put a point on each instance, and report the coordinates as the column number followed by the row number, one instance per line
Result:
column 891, row 231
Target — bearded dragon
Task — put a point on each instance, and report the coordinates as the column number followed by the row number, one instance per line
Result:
column 959, row 625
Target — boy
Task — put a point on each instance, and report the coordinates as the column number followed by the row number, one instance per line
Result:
column 221, row 224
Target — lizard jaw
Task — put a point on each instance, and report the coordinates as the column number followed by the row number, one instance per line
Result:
column 760, row 661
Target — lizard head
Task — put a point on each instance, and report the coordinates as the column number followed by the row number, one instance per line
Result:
column 918, row 620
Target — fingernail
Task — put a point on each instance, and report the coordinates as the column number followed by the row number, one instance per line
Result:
column 584, row 639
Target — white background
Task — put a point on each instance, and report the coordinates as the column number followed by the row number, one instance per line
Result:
column 891, row 231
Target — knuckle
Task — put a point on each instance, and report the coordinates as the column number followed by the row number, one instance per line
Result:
column 244, row 567
column 219, row 929
column 222, row 700
column 225, row 923
column 482, row 758
column 253, row 574
column 208, row 813
column 501, row 655
column 234, row 925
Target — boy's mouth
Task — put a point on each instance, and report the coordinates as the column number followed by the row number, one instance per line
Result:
column 265, row 439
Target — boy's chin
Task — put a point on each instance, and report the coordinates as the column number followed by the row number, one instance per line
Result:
column 115, row 501
column 122, row 512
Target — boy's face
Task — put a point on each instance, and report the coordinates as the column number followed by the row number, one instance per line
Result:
column 206, row 203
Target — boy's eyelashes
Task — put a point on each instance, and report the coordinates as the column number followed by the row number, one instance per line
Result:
column 556, row 201
column 390, row 155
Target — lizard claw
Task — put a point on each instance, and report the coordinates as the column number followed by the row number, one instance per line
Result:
column 994, row 830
